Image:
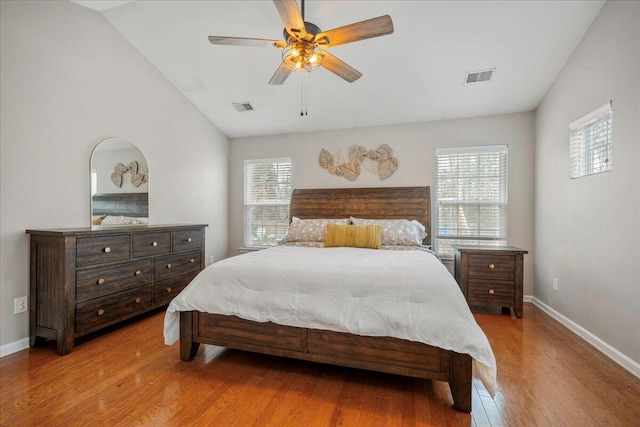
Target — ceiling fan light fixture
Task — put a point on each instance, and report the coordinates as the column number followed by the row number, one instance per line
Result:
column 300, row 55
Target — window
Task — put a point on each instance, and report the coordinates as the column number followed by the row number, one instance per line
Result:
column 590, row 142
column 267, row 193
column 471, row 197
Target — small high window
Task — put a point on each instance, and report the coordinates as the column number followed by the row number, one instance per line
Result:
column 590, row 142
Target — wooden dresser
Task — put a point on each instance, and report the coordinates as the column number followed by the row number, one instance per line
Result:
column 490, row 275
column 83, row 280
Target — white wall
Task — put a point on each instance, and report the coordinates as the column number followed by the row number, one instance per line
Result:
column 588, row 229
column 414, row 146
column 68, row 81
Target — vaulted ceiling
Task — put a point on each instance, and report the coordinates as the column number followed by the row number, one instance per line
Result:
column 415, row 74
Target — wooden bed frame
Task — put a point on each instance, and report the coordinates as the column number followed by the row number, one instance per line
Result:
column 383, row 354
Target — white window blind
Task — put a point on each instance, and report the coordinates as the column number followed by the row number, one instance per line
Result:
column 471, row 197
column 590, row 142
column 267, row 194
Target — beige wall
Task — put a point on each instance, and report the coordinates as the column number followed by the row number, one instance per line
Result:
column 68, row 80
column 414, row 146
column 588, row 229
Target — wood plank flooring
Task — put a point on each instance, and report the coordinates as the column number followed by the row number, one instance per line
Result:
column 127, row 377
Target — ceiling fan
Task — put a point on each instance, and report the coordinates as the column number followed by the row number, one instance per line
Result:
column 304, row 48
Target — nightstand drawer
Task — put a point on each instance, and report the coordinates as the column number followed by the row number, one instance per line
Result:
column 490, row 266
column 495, row 292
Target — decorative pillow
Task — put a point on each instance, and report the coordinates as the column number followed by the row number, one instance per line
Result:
column 354, row 236
column 397, row 231
column 120, row 220
column 310, row 230
column 97, row 219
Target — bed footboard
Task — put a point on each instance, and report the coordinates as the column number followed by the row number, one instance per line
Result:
column 383, row 354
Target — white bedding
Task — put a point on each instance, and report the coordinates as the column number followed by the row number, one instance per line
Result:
column 402, row 294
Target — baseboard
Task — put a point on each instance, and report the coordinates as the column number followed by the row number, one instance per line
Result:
column 527, row 298
column 14, row 347
column 620, row 358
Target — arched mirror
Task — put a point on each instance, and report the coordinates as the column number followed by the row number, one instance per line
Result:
column 119, row 184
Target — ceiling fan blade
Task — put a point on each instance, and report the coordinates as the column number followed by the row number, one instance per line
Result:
column 375, row 27
column 340, row 68
column 280, row 75
column 243, row 41
column 290, row 14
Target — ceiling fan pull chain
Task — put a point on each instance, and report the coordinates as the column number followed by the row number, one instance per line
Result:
column 306, row 93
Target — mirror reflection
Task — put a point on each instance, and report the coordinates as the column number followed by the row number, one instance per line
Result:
column 119, row 184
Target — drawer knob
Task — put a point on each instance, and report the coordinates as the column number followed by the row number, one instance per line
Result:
column 192, row 260
column 168, row 289
column 168, row 265
column 100, row 281
column 491, row 291
column 154, row 244
column 107, row 249
column 137, row 300
column 491, row 266
column 100, row 312
column 188, row 239
column 138, row 272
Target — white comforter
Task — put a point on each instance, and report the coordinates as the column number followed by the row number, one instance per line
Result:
column 402, row 294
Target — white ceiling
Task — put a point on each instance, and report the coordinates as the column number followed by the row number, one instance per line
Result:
column 415, row 74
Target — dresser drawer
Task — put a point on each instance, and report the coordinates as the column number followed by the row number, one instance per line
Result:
column 100, row 250
column 150, row 244
column 102, row 281
column 489, row 266
column 166, row 290
column 186, row 240
column 98, row 313
column 175, row 264
column 492, row 293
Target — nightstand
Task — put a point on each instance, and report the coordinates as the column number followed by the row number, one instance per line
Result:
column 490, row 275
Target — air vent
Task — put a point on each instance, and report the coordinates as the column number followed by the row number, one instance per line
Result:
column 479, row 76
column 242, row 106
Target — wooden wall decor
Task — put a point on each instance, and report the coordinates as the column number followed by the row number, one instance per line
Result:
column 383, row 156
column 137, row 172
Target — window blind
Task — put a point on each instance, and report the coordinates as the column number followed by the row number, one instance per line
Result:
column 267, row 194
column 590, row 142
column 471, row 197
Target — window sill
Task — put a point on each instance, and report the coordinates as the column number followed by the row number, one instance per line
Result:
column 245, row 249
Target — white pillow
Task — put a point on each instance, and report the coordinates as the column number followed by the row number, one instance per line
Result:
column 310, row 230
column 397, row 231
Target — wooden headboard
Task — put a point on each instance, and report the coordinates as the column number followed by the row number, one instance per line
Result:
column 377, row 203
column 125, row 204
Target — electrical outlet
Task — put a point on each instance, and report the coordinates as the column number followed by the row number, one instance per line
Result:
column 555, row 284
column 211, row 260
column 20, row 305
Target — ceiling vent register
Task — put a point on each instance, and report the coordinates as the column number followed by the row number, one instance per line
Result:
column 242, row 106
column 479, row 76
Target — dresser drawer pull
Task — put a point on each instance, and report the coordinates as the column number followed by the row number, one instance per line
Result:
column 138, row 272
column 491, row 266
column 154, row 244
column 192, row 260
column 188, row 239
column 168, row 265
column 491, row 291
column 137, row 300
column 100, row 312
column 169, row 290
column 107, row 249
column 100, row 281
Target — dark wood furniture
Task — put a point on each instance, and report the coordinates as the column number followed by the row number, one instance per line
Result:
column 83, row 280
column 490, row 275
column 127, row 204
column 382, row 354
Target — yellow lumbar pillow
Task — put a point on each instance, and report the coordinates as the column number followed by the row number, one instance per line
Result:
column 355, row 236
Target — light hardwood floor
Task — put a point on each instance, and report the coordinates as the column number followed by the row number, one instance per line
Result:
column 127, row 377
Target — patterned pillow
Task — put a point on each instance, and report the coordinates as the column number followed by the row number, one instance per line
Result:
column 354, row 236
column 397, row 231
column 310, row 230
